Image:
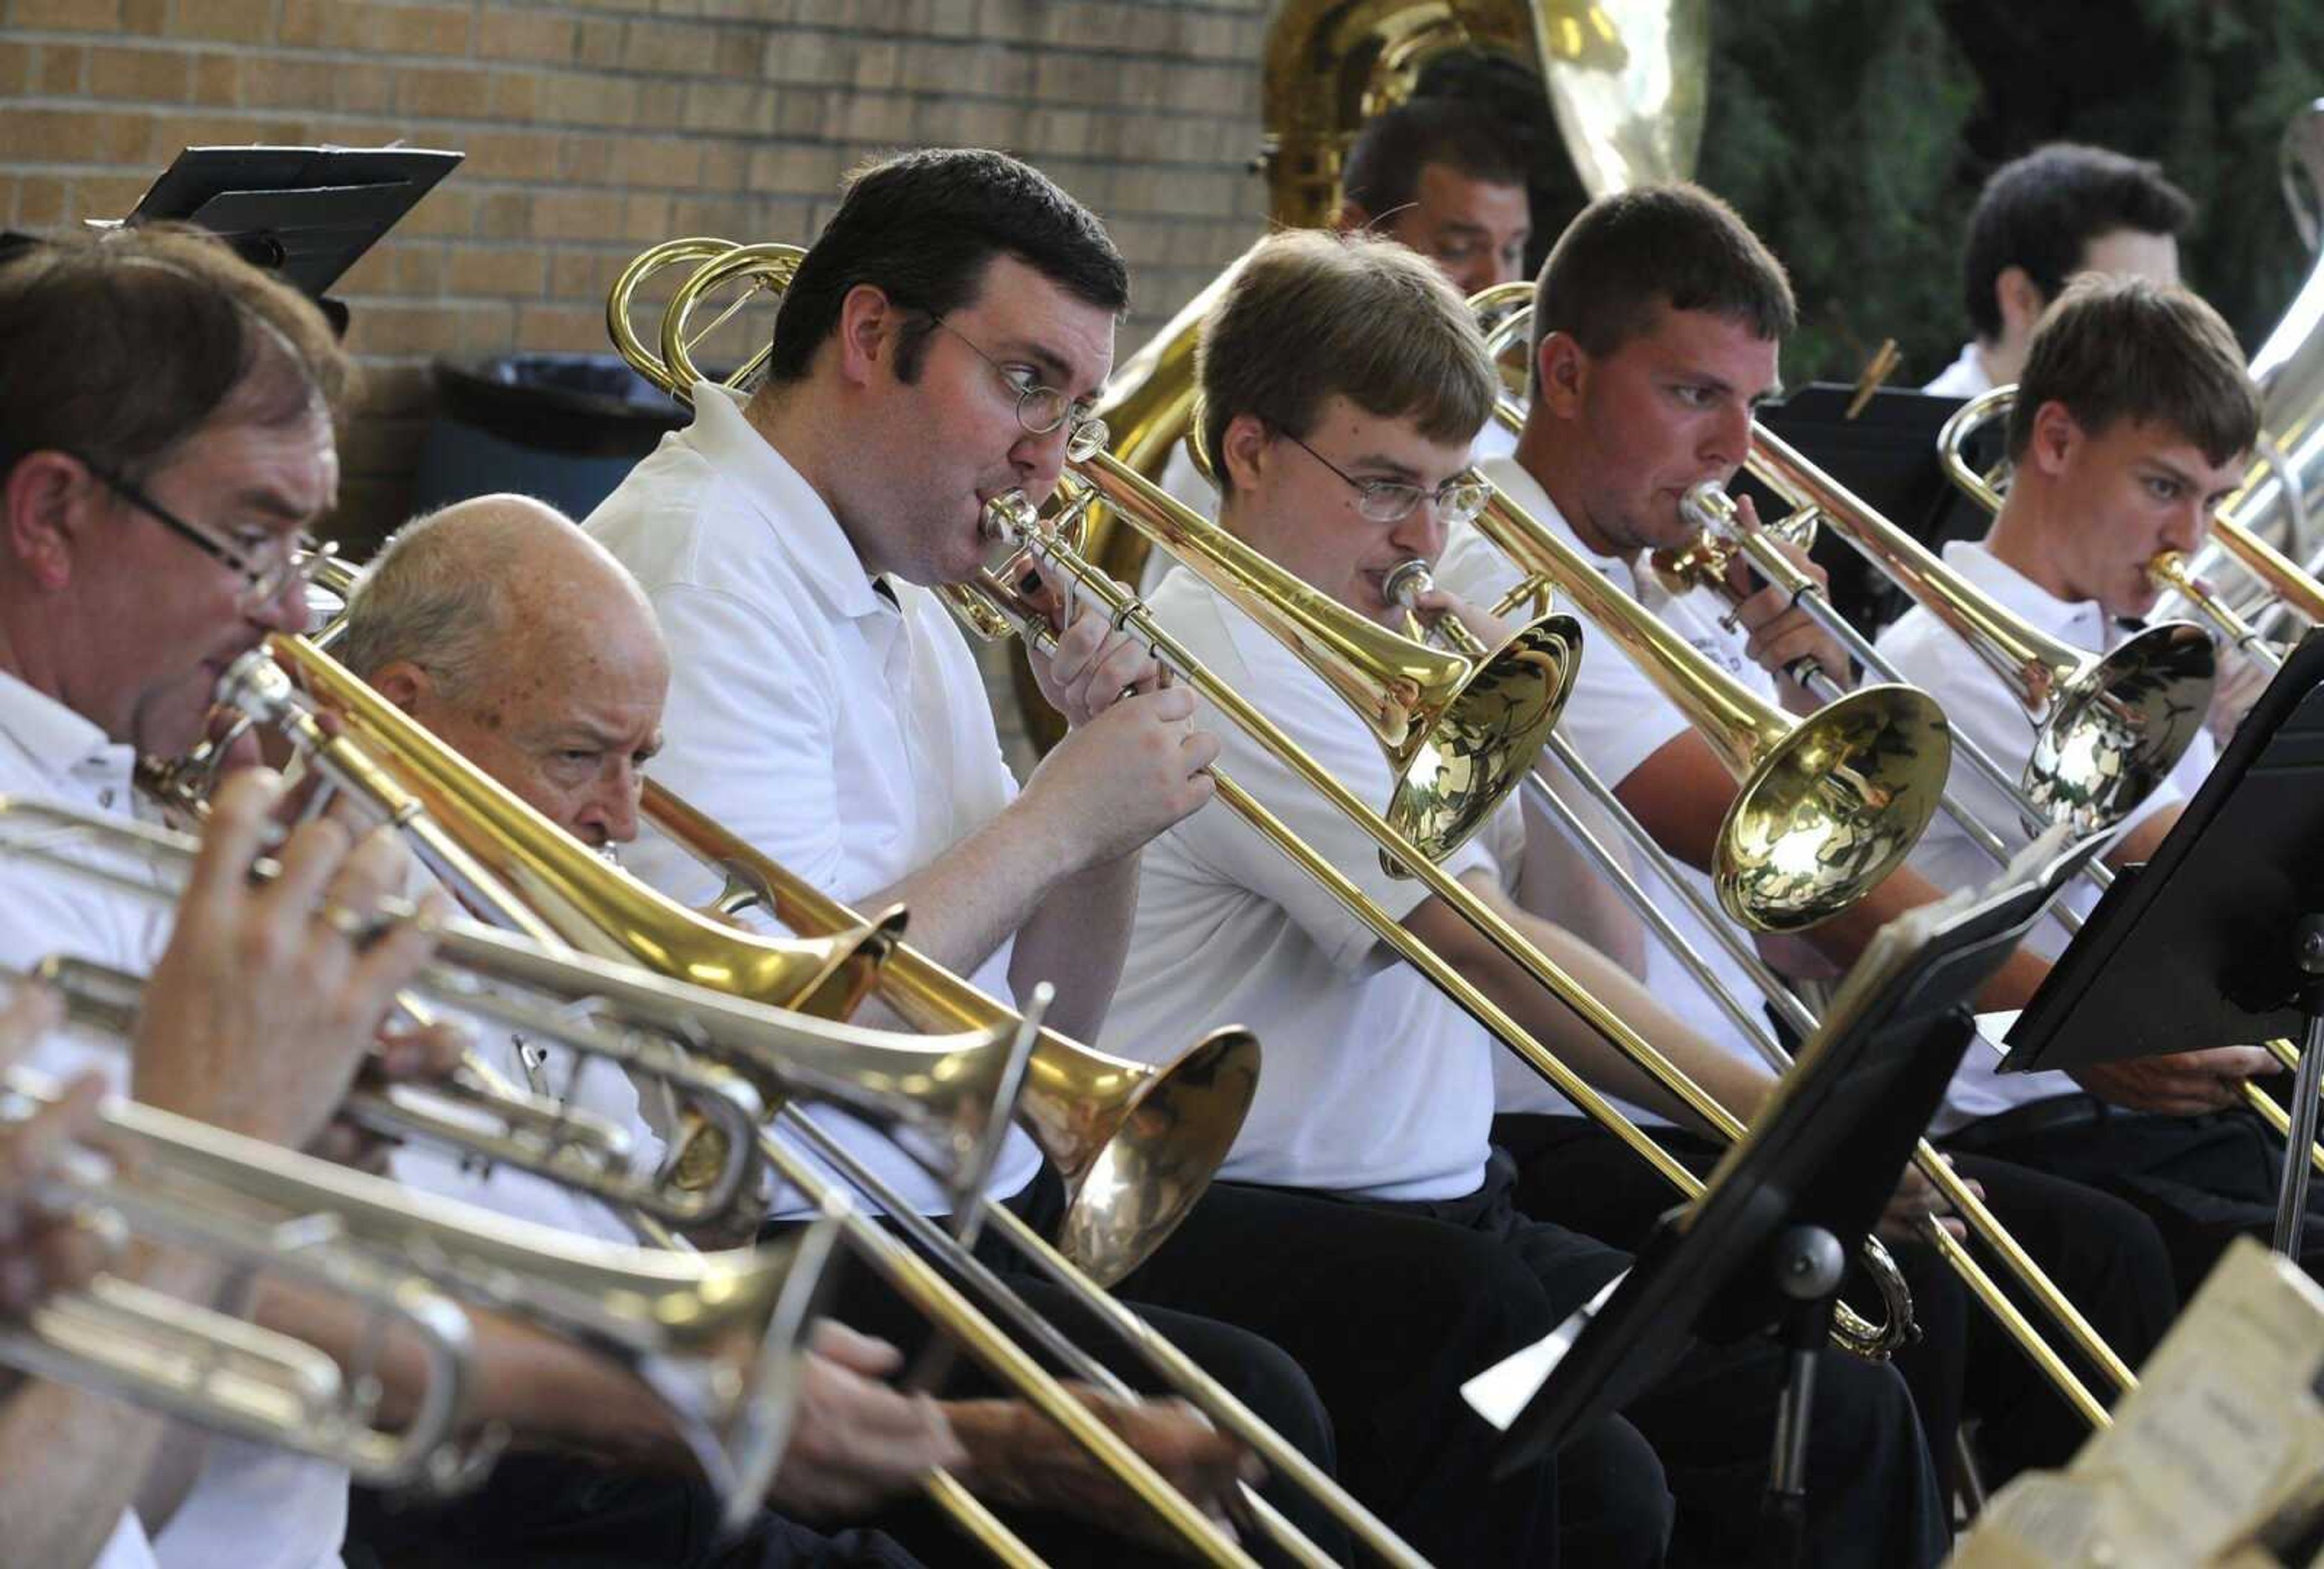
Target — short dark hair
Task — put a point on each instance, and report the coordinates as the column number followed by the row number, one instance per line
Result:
column 922, row 227
column 2041, row 211
column 1382, row 171
column 1311, row 313
column 1634, row 253
column 2129, row 348
column 121, row 346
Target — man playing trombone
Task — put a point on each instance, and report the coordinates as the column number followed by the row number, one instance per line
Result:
column 1658, row 323
column 2134, row 421
column 523, row 645
column 1343, row 384
column 936, row 350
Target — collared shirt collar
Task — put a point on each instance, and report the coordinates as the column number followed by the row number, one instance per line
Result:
column 51, row 738
column 2083, row 622
column 1521, row 487
column 784, row 502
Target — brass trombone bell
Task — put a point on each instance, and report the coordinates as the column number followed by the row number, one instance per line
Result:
column 1136, row 1144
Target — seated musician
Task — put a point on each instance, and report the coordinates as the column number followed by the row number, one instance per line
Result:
column 2059, row 210
column 524, row 646
column 1441, row 176
column 1343, row 380
column 937, row 344
column 2134, row 421
column 157, row 474
column 1660, row 318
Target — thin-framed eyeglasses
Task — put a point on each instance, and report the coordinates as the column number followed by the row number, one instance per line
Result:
column 1041, row 409
column 266, row 573
column 1391, row 501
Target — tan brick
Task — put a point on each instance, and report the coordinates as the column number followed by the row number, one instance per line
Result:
column 577, row 275
column 600, row 42
column 235, row 21
column 401, row 329
column 362, row 86
column 725, row 165
column 164, row 75
column 561, row 329
column 655, row 161
column 106, row 196
column 576, row 215
column 437, row 93
column 584, row 161
column 15, row 66
column 289, row 82
column 505, row 215
column 725, row 106
column 446, row 210
column 417, row 29
column 661, row 103
column 145, row 18
column 645, row 218
column 61, row 70
column 507, row 33
column 684, row 48
column 302, row 21
column 397, row 391
column 73, row 136
column 474, row 269
column 217, row 78
column 516, row 94
column 67, row 16
column 508, row 155
column 737, row 52
column 39, row 201
column 572, row 98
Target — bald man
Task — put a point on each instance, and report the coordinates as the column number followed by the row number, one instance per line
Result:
column 521, row 643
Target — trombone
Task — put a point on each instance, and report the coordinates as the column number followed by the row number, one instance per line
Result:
column 713, row 1336
column 1013, row 521
column 1124, row 1128
column 867, row 1071
column 1414, row 578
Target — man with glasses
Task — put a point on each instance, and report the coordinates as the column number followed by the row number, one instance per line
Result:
column 1339, row 462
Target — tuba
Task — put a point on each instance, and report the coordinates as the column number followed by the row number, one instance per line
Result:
column 1625, row 81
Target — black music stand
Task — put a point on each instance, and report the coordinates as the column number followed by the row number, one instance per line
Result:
column 1764, row 1246
column 1887, row 454
column 2221, row 937
column 305, row 213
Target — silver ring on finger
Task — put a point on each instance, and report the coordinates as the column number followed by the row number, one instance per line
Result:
column 345, row 921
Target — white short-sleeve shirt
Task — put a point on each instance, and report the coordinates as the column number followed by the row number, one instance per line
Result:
column 1964, row 378
column 252, row 1506
column 838, row 724
column 1983, row 709
column 1616, row 719
column 1374, row 1084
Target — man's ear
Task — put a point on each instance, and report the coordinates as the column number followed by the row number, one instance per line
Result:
column 47, row 496
column 1351, row 217
column 404, row 683
column 869, row 322
column 2019, row 300
column 2056, row 434
column 1562, row 376
column 1246, row 442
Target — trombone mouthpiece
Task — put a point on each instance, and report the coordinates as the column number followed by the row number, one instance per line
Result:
column 1707, row 505
column 255, row 686
column 1406, row 581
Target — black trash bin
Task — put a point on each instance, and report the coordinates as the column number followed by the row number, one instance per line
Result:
column 565, row 427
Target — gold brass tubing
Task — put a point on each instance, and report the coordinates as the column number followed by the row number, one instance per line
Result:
column 2272, row 566
column 919, row 1283
column 978, row 1523
column 2279, row 1119
column 2028, row 1338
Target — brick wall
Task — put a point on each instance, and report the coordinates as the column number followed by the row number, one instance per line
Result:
column 594, row 129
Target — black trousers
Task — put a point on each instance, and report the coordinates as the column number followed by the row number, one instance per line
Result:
column 1441, row 1291
column 2202, row 1181
column 2102, row 1252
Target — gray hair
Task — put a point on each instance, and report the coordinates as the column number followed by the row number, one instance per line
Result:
column 424, row 599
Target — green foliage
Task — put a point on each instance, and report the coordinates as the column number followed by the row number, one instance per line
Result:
column 1854, row 136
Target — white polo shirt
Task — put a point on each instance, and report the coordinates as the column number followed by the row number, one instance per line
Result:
column 1616, row 719
column 1964, row 378
column 1983, row 709
column 837, row 724
column 252, row 1506
column 1375, row 1084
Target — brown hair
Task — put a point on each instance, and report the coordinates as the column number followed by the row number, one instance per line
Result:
column 121, row 346
column 1310, row 314
column 2129, row 348
column 1630, row 255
